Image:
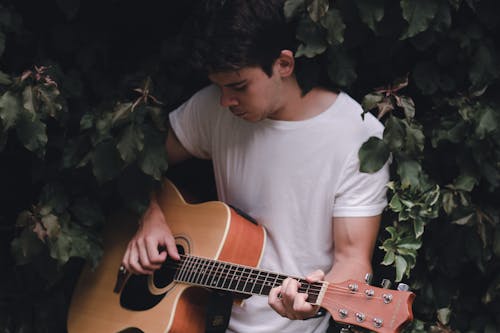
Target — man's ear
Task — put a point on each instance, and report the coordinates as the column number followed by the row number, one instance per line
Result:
column 285, row 64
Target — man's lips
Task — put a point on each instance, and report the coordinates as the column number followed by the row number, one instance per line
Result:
column 237, row 112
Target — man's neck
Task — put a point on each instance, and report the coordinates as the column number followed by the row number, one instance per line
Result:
column 296, row 107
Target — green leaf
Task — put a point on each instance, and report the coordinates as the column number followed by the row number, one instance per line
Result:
column 410, row 173
column 32, row 133
column 153, row 158
column 87, row 212
column 464, row 183
column 484, row 68
column 415, row 139
column 372, row 155
column 121, row 112
column 442, row 20
column 444, row 315
column 10, row 108
column 334, row 26
column 158, row 116
column 131, row 143
column 48, row 96
column 389, row 258
column 395, row 204
column 419, row 14
column 106, row 161
column 394, row 133
column 410, row 244
column 5, row 79
column 293, row 7
column 26, row 247
column 464, row 220
column 313, row 42
column 370, row 101
column 408, row 106
column 317, row 9
column 371, row 11
column 418, row 227
column 449, row 203
column 51, row 224
column 87, row 121
column 401, row 266
column 28, row 100
column 60, row 247
column 487, row 122
column 341, row 68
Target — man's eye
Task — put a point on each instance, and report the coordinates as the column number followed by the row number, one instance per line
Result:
column 240, row 88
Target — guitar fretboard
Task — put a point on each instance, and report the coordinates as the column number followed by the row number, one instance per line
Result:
column 236, row 278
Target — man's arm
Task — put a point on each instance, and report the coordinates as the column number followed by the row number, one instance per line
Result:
column 142, row 256
column 354, row 239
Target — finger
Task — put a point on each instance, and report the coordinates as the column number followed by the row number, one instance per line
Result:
column 301, row 308
column 143, row 255
column 126, row 258
column 133, row 262
column 275, row 301
column 172, row 247
column 316, row 276
column 289, row 291
column 155, row 258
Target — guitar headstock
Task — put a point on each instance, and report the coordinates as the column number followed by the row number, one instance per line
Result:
column 377, row 309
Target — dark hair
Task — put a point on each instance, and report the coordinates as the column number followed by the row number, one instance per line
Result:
column 232, row 34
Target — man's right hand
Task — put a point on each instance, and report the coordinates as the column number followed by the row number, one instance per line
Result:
column 143, row 255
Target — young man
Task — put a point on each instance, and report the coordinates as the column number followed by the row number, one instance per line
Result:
column 287, row 158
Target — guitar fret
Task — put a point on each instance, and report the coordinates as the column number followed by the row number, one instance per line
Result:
column 233, row 277
column 227, row 278
column 246, row 280
column 182, row 270
column 207, row 274
column 196, row 270
column 255, row 285
column 239, row 270
column 203, row 271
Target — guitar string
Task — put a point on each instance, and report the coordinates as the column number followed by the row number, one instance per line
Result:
column 327, row 296
column 220, row 271
column 224, row 268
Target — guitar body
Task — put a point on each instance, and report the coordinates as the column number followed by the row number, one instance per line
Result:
column 155, row 304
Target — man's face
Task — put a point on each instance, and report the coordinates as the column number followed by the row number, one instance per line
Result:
column 249, row 92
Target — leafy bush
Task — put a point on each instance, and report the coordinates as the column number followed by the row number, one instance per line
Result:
column 82, row 131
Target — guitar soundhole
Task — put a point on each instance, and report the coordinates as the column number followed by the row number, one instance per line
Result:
column 136, row 294
column 165, row 275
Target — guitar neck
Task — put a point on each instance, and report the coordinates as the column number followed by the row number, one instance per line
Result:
column 238, row 278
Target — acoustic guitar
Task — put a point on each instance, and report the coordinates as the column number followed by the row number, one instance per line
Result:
column 220, row 249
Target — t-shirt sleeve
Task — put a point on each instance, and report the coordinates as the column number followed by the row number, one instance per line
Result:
column 359, row 193
column 193, row 122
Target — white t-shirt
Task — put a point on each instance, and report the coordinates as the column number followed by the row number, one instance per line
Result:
column 292, row 177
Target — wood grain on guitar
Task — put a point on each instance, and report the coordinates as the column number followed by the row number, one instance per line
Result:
column 220, row 250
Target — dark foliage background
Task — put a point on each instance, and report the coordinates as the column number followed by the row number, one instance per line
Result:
column 85, row 88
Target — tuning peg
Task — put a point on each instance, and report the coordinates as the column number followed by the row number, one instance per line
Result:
column 403, row 287
column 368, row 278
column 386, row 283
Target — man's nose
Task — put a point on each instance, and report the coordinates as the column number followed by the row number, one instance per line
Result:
column 226, row 100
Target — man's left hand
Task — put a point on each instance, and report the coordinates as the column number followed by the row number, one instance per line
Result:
column 288, row 302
